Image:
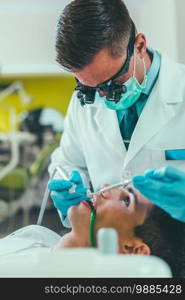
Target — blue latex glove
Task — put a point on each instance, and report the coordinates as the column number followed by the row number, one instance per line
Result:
column 62, row 198
column 166, row 188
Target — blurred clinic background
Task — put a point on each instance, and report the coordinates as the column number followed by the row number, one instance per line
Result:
column 35, row 93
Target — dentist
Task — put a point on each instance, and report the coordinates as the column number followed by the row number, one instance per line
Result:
column 127, row 112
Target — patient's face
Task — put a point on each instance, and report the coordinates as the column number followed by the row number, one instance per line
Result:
column 119, row 209
column 122, row 210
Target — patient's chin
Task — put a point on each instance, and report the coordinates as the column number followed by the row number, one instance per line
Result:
column 72, row 211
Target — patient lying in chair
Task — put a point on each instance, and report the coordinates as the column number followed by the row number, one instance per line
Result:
column 142, row 229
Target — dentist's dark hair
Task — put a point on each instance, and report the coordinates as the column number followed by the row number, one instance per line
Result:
column 87, row 26
column 165, row 237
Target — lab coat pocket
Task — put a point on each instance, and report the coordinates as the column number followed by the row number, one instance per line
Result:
column 172, row 157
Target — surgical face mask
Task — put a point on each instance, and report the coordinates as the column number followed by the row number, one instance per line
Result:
column 132, row 91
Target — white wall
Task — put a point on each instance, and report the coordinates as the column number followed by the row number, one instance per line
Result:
column 27, row 35
column 27, row 31
column 157, row 19
column 180, row 13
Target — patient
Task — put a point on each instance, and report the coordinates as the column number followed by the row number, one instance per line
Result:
column 142, row 227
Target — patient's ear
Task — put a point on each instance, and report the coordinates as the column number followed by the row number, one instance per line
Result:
column 142, row 249
column 139, row 248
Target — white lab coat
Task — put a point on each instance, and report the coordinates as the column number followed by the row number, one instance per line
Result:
column 92, row 142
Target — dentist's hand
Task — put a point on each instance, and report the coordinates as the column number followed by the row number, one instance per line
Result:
column 166, row 188
column 62, row 198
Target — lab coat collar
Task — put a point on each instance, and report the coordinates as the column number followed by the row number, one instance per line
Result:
column 107, row 123
column 171, row 80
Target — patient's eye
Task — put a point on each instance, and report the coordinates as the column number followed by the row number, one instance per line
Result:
column 127, row 201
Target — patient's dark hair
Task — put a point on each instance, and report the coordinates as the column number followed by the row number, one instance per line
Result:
column 87, row 26
column 165, row 237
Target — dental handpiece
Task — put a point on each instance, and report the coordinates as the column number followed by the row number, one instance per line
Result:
column 113, row 186
column 61, row 173
column 64, row 176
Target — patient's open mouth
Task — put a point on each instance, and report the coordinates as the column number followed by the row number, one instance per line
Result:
column 89, row 204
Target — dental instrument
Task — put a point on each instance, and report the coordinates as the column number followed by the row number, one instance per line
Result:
column 64, row 176
column 44, row 202
column 43, row 206
column 113, row 186
column 61, row 172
